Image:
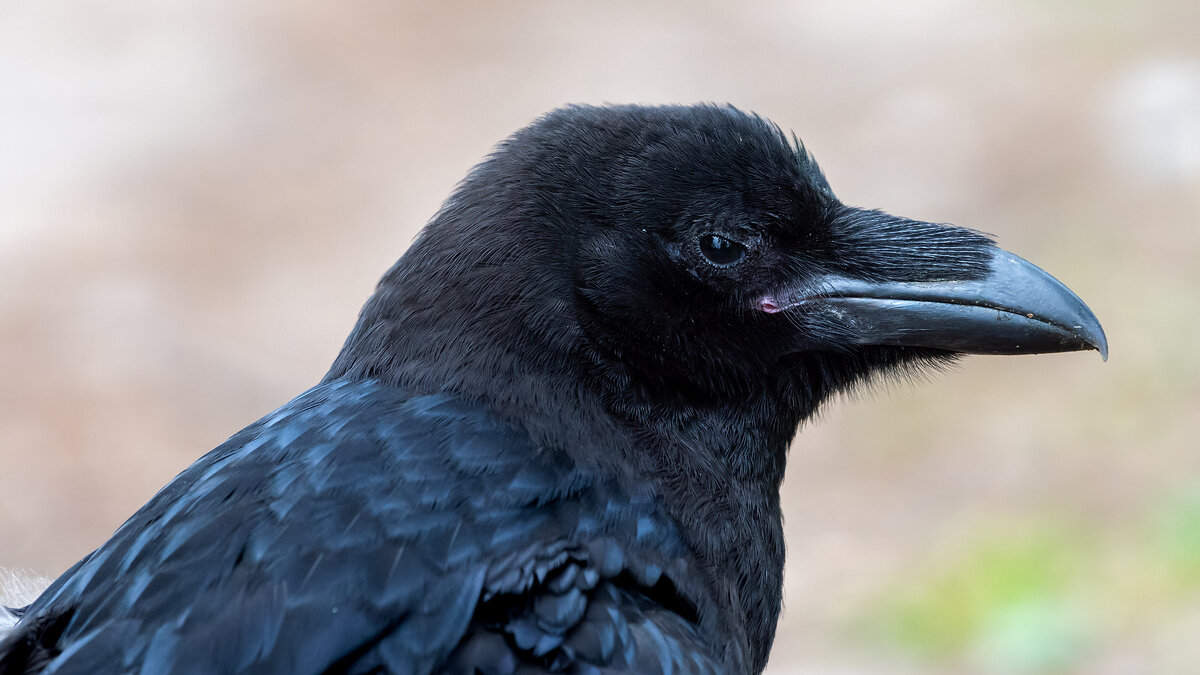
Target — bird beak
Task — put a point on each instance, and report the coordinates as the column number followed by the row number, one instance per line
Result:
column 1015, row 309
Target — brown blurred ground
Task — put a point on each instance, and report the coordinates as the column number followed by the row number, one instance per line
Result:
column 196, row 197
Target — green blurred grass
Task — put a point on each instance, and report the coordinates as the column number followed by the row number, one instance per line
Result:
column 1037, row 596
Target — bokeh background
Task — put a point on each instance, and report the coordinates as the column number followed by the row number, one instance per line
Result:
column 197, row 196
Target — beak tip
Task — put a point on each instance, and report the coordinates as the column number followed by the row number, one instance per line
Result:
column 1092, row 335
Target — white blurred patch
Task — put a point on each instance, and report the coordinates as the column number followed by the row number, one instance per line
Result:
column 17, row 589
column 1150, row 121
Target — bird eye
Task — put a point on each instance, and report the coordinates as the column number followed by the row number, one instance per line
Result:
column 720, row 251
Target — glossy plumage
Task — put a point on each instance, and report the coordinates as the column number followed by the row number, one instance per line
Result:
column 358, row 529
column 555, row 438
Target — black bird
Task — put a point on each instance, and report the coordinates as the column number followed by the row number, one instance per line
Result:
column 555, row 438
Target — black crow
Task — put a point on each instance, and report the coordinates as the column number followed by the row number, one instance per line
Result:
column 555, row 438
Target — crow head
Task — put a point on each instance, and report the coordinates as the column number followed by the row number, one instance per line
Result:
column 711, row 258
column 692, row 252
column 667, row 292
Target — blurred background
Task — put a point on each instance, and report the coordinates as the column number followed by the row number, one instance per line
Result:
column 197, row 196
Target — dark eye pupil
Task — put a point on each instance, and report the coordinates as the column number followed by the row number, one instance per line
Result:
column 721, row 251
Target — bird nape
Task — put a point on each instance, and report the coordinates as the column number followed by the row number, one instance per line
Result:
column 555, row 438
